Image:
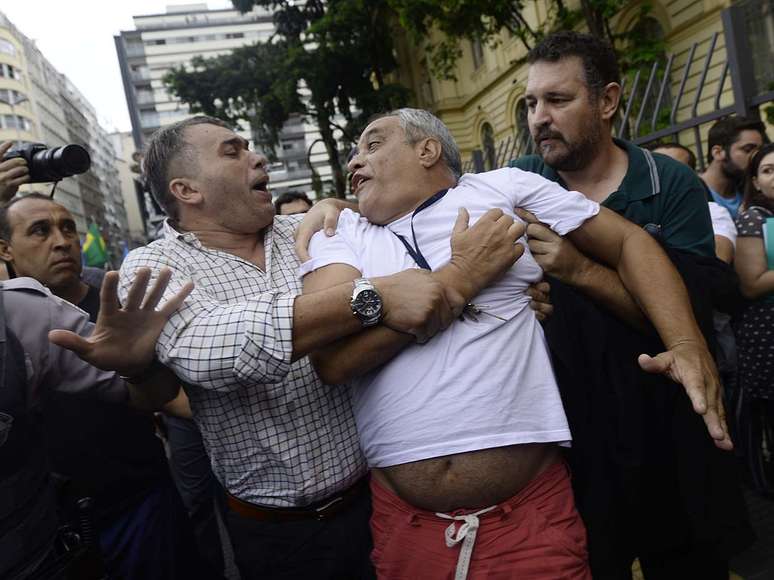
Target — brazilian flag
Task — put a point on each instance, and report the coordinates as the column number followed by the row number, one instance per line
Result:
column 94, row 248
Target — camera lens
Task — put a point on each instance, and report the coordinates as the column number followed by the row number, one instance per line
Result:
column 71, row 159
column 59, row 162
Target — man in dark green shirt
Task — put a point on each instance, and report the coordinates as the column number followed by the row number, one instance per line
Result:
column 648, row 483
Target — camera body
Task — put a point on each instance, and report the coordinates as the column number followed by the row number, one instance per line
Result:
column 46, row 165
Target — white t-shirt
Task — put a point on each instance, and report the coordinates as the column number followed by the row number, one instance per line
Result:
column 722, row 222
column 477, row 385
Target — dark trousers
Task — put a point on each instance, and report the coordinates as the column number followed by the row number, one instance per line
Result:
column 200, row 491
column 338, row 548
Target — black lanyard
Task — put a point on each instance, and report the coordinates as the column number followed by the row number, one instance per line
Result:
column 414, row 250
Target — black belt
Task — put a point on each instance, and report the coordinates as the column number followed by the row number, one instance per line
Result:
column 321, row 510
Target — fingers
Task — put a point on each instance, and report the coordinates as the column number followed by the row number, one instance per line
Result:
column 654, row 365
column 516, row 230
column 157, row 291
column 461, row 224
column 177, row 300
column 137, row 291
column 302, row 244
column 538, row 247
column 14, row 168
column 528, row 217
column 70, row 341
column 108, row 294
column 518, row 251
column 330, row 221
column 541, row 232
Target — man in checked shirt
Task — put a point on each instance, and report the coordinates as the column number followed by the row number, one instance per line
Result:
column 283, row 445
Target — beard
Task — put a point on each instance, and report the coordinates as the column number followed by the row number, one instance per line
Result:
column 574, row 155
column 733, row 173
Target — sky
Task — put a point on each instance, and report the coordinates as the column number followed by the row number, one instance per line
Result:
column 76, row 36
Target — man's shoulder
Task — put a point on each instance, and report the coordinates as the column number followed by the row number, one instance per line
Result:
column 164, row 252
column 29, row 295
column 287, row 223
column 29, row 285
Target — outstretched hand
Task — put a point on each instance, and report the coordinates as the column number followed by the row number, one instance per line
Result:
column 691, row 365
column 124, row 338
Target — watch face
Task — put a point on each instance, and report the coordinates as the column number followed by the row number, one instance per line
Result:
column 368, row 303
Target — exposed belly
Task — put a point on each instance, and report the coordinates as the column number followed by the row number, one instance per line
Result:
column 468, row 480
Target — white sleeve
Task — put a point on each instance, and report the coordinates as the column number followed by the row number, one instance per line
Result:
column 337, row 249
column 722, row 224
column 562, row 210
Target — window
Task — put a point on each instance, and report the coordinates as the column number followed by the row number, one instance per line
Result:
column 7, row 47
column 157, row 42
column 488, row 145
column 15, row 122
column 523, row 141
column 478, row 53
column 11, row 97
column 235, row 35
column 9, row 72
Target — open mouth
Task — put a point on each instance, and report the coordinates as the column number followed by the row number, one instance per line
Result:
column 357, row 181
column 262, row 186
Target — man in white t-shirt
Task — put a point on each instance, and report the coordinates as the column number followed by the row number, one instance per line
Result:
column 463, row 431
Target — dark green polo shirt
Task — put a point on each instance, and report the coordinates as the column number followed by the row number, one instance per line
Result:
column 657, row 191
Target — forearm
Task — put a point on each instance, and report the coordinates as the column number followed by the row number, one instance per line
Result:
column 758, row 286
column 604, row 286
column 322, row 317
column 356, row 355
column 655, row 284
column 154, row 390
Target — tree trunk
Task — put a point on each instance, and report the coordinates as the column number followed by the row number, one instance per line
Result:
column 594, row 20
column 332, row 148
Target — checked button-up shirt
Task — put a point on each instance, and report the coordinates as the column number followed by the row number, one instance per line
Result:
column 275, row 434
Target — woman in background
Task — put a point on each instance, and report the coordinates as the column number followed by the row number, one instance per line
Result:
column 755, row 333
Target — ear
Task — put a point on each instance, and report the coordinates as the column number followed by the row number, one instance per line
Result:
column 6, row 253
column 186, row 191
column 429, row 151
column 609, row 100
column 718, row 153
column 754, row 182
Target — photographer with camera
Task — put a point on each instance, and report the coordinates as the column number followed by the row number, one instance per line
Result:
column 13, row 173
column 105, row 451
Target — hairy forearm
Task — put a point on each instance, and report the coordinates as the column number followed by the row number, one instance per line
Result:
column 322, row 317
column 604, row 286
column 356, row 355
column 655, row 284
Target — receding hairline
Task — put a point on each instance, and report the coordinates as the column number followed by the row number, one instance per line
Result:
column 9, row 210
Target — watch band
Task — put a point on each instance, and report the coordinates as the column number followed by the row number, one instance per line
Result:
column 144, row 374
column 360, row 285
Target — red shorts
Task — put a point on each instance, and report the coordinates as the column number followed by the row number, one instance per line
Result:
column 537, row 534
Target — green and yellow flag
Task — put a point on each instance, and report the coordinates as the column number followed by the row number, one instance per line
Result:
column 94, row 248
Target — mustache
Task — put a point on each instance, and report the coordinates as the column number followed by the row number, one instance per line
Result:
column 546, row 133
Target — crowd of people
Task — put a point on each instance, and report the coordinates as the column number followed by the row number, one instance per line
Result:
column 513, row 374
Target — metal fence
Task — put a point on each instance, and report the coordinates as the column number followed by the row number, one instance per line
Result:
column 649, row 113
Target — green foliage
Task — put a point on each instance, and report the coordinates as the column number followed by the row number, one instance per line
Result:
column 484, row 20
column 234, row 87
column 769, row 110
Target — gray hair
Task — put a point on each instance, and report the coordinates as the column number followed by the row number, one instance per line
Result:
column 419, row 124
column 165, row 146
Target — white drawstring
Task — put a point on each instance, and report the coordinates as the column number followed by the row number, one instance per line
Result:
column 466, row 534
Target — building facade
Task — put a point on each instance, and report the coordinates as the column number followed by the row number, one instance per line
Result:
column 484, row 107
column 161, row 42
column 38, row 104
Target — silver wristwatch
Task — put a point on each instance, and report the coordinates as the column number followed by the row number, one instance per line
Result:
column 366, row 303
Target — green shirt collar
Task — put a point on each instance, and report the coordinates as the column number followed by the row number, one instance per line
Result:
column 640, row 182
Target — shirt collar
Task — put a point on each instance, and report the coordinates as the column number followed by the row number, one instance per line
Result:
column 641, row 179
column 170, row 233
